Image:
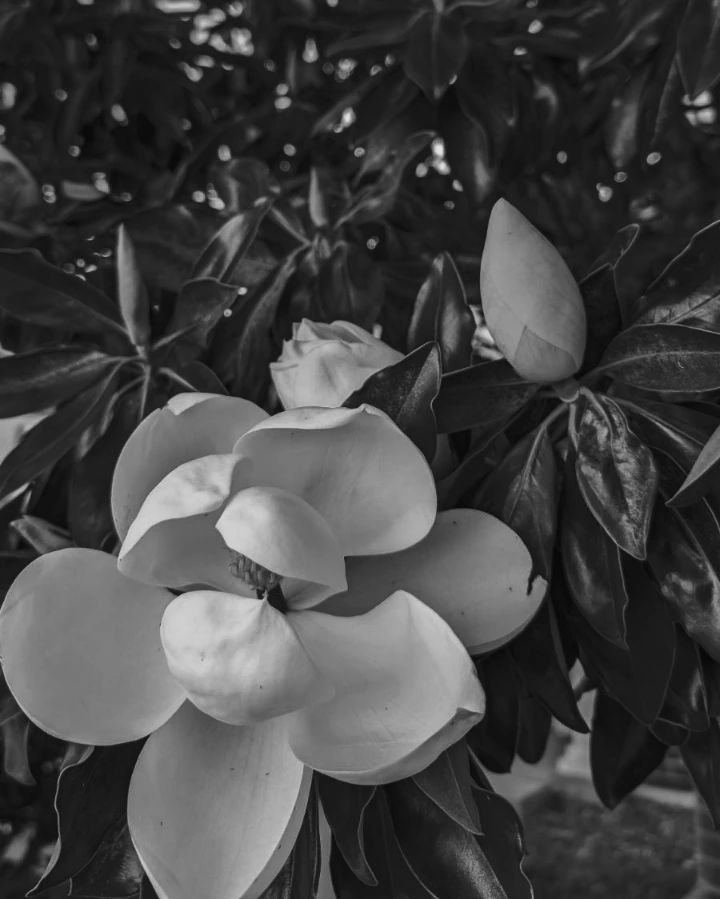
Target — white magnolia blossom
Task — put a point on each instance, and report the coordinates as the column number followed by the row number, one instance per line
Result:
column 324, row 363
column 318, row 620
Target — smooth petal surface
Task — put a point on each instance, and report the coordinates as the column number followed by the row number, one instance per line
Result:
column 190, row 426
column 406, row 690
column 214, row 810
column 355, row 466
column 472, row 569
column 287, row 536
column 81, row 652
column 173, row 540
column 239, row 659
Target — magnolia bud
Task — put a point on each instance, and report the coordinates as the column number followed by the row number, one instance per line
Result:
column 532, row 303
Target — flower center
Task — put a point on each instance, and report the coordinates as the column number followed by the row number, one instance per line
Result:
column 254, row 575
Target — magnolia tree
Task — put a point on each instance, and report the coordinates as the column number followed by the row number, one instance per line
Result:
column 321, row 468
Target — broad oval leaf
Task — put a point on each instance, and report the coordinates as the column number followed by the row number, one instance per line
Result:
column 30, row 382
column 698, row 46
column 436, row 49
column 688, row 289
column 132, row 292
column 441, row 313
column 664, row 358
column 623, row 752
column 41, row 294
column 200, row 305
column 219, row 259
column 703, row 474
column 345, row 806
column 405, row 391
column 448, row 783
column 481, row 396
column 616, row 474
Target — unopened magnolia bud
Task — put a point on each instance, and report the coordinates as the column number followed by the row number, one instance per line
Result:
column 532, row 303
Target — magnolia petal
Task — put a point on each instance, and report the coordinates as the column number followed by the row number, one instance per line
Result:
column 81, row 650
column 406, row 690
column 472, row 569
column 214, row 810
column 355, row 466
column 287, row 536
column 239, row 659
column 190, row 426
column 173, row 540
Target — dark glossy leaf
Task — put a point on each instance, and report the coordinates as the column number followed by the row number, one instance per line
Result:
column 698, row 46
column 14, row 736
column 602, row 308
column 623, row 752
column 299, row 876
column 494, row 739
column 486, row 95
column 592, row 567
column 350, row 286
column 703, row 473
column 405, row 391
column 394, row 876
column 435, row 52
column 51, row 438
column 194, row 375
column 449, row 860
column 345, row 806
column 132, row 292
column 688, row 289
column 480, row 396
column 243, row 347
column 674, row 430
column 41, row 535
column 114, row 872
column 665, row 358
column 199, row 307
column 701, row 754
column 221, row 256
column 37, row 292
column 686, row 702
column 441, row 313
column 618, row 256
column 522, row 485
column 616, row 474
column 534, row 732
column 448, row 783
column 30, row 382
column 91, row 804
column 469, row 149
column 328, row 197
column 539, row 656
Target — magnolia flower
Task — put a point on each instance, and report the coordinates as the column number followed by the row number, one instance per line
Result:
column 320, row 623
column 323, row 364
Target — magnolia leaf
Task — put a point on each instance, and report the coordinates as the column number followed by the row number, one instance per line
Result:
column 299, row 877
column 345, row 806
column 686, row 703
column 221, row 256
column 702, row 475
column 37, row 292
column 405, row 391
column 481, row 396
column 449, row 860
column 114, row 872
column 616, row 474
column 667, row 358
column 200, row 305
column 539, row 655
column 91, row 805
column 328, row 197
column 534, row 731
column 39, row 379
column 623, row 752
column 41, row 535
column 441, row 313
column 448, row 783
column 688, row 289
column 14, row 736
column 527, row 480
column 701, row 754
column 698, row 46
column 19, row 191
column 51, row 438
column 350, row 286
column 602, row 308
column 436, row 49
column 592, row 567
column 132, row 293
column 469, row 150
column 494, row 739
column 195, row 375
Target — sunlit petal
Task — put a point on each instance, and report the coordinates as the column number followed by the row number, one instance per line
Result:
column 355, row 466
column 287, row 536
column 214, row 810
column 406, row 690
column 239, row 659
column 472, row 569
column 190, row 426
column 173, row 540
column 81, row 652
